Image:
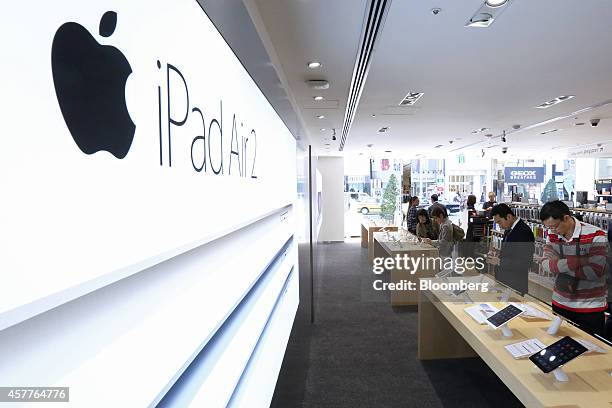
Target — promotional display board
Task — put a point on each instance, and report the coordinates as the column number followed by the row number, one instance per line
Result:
column 524, row 175
column 131, row 133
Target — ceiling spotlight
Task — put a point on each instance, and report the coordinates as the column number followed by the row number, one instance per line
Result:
column 482, row 153
column 334, row 135
column 373, row 115
column 516, row 127
column 387, row 151
column 496, row 3
column 369, row 145
column 314, row 65
column 318, row 98
column 503, row 138
column 323, row 129
column 488, row 135
column 320, row 116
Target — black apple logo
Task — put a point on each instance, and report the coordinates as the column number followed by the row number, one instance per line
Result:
column 90, row 83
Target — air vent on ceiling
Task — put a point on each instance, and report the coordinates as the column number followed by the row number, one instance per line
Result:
column 475, row 131
column 487, row 14
column 375, row 19
column 555, row 101
column 411, row 98
column 318, row 83
column 383, row 129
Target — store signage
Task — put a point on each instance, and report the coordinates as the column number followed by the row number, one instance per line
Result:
column 599, row 150
column 524, row 175
column 134, row 132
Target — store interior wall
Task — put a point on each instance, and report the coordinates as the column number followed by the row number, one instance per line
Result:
column 585, row 174
column 189, row 321
column 332, row 172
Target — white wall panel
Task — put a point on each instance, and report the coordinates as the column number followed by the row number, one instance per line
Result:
column 137, row 335
column 74, row 222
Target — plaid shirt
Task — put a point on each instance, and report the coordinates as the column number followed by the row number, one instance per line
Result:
column 578, row 287
column 412, row 219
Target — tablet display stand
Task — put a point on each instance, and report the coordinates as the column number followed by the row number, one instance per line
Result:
column 505, row 295
column 554, row 327
column 506, row 330
column 560, row 375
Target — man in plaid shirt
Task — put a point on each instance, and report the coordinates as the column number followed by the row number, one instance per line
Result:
column 575, row 253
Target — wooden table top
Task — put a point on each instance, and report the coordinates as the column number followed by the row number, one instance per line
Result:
column 400, row 244
column 590, row 382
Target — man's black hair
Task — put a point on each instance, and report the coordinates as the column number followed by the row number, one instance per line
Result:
column 502, row 210
column 555, row 210
column 413, row 199
column 434, row 197
column 438, row 211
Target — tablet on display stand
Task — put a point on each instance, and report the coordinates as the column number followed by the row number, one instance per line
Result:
column 500, row 319
column 553, row 357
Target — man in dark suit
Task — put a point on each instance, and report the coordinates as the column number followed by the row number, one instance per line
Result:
column 434, row 204
column 517, row 248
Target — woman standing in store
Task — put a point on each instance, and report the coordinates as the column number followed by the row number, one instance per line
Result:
column 445, row 240
column 425, row 228
column 412, row 219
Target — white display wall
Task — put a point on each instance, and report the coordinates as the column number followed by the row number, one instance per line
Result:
column 147, row 180
column 69, row 218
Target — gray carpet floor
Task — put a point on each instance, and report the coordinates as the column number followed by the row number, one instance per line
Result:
column 361, row 353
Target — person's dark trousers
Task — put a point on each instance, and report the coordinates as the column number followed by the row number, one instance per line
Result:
column 592, row 323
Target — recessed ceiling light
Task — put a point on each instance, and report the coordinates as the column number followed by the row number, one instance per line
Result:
column 318, row 98
column 438, row 146
column 320, row 116
column 387, row 151
column 370, row 145
column 496, row 3
column 488, row 135
column 314, row 65
column 323, row 129
column 327, row 144
column 383, row 129
column 373, row 115
column 579, row 124
column 555, row 101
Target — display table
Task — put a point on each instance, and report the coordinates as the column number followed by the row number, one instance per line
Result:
column 394, row 243
column 447, row 331
column 369, row 227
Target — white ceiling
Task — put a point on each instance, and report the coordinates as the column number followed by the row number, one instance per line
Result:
column 472, row 77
